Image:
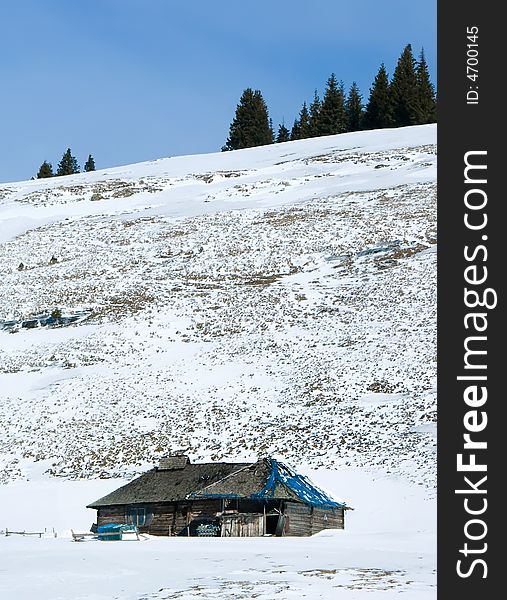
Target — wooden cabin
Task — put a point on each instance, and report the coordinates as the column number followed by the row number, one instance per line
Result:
column 222, row 499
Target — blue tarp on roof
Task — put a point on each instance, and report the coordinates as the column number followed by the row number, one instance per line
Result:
column 299, row 484
column 279, row 474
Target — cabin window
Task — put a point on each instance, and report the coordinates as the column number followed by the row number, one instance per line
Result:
column 136, row 516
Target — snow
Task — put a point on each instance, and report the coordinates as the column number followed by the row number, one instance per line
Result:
column 276, row 300
column 387, row 549
column 180, row 186
column 379, row 399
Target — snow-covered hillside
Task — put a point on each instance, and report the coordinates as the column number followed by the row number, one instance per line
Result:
column 271, row 300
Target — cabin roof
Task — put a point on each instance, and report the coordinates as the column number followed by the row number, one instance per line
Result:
column 179, row 480
column 167, row 485
column 269, row 478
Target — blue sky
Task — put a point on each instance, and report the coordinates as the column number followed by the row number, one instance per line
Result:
column 134, row 80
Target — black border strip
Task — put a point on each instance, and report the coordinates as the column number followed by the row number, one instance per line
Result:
column 470, row 525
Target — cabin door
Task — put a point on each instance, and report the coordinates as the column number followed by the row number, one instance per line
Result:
column 242, row 525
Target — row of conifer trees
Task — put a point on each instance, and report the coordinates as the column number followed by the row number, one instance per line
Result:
column 67, row 166
column 408, row 99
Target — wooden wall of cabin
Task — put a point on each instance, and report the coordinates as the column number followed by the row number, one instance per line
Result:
column 171, row 519
column 242, row 525
column 111, row 514
column 205, row 509
column 164, row 518
column 305, row 520
column 162, row 521
column 160, row 517
column 327, row 519
column 299, row 519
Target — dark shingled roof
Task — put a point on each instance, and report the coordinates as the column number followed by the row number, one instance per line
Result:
column 269, row 478
column 248, row 482
column 161, row 485
column 176, row 481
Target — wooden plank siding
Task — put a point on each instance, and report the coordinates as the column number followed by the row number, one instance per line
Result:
column 166, row 519
column 173, row 518
column 111, row 514
column 162, row 521
column 243, row 525
column 159, row 524
column 305, row 520
column 299, row 519
column 205, row 509
column 327, row 519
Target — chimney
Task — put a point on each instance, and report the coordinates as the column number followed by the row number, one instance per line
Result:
column 174, row 462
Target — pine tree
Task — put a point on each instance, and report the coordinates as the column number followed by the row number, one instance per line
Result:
column 272, row 130
column 354, row 108
column 304, row 123
column 283, row 134
column 301, row 128
column 250, row 126
column 379, row 109
column 295, row 132
column 332, row 118
column 45, row 170
column 68, row 165
column 315, row 108
column 89, row 164
column 427, row 104
column 405, row 90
